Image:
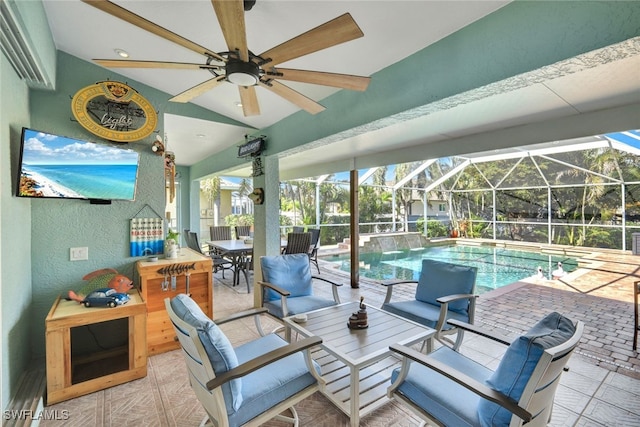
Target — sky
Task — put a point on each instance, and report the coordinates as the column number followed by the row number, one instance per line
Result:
column 631, row 137
column 46, row 149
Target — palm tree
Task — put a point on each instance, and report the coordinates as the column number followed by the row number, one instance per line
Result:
column 211, row 189
column 244, row 189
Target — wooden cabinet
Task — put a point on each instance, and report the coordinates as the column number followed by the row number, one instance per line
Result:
column 167, row 278
column 71, row 373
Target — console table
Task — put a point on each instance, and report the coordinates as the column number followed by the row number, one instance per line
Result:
column 167, row 278
column 70, row 375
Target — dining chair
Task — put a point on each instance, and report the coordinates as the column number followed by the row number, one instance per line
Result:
column 298, row 243
column 242, row 230
column 443, row 291
column 220, row 232
column 298, row 229
column 287, row 286
column 245, row 385
column 219, row 262
column 315, row 245
column 446, row 388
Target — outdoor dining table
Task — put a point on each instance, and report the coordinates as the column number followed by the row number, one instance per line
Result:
column 238, row 252
column 356, row 364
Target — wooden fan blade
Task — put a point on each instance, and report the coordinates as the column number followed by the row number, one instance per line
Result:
column 197, row 90
column 345, row 81
column 292, row 96
column 140, row 22
column 249, row 99
column 125, row 63
column 339, row 30
column 230, row 15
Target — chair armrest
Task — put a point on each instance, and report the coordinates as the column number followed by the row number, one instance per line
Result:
column 398, row 283
column 390, row 286
column 464, row 380
column 326, row 280
column 334, row 287
column 276, row 288
column 263, row 360
column 450, row 298
column 240, row 315
column 479, row 331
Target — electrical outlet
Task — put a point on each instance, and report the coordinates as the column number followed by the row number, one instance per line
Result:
column 79, row 254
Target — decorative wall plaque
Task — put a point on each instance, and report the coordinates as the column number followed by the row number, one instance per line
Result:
column 114, row 111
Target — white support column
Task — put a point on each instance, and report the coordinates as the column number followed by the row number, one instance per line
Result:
column 266, row 219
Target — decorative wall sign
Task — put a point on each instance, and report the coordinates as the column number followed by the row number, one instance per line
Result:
column 252, row 148
column 257, row 167
column 114, row 111
column 146, row 234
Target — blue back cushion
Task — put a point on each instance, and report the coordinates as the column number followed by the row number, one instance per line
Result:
column 439, row 279
column 221, row 354
column 290, row 272
column 519, row 362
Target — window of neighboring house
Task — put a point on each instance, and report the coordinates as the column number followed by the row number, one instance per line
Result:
column 442, row 207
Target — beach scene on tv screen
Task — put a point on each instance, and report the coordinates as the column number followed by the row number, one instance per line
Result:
column 57, row 166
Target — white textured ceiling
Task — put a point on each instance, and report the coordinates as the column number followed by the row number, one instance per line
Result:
column 393, row 30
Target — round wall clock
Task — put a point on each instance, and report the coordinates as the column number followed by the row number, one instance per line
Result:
column 114, row 111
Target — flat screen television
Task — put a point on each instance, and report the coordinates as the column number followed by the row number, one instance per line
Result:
column 59, row 167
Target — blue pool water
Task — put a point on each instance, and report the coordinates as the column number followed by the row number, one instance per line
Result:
column 497, row 267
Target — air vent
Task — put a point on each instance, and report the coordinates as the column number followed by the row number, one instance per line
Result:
column 17, row 48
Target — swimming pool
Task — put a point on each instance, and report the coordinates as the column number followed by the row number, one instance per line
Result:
column 496, row 266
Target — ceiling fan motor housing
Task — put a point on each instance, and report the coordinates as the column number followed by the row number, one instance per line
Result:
column 242, row 73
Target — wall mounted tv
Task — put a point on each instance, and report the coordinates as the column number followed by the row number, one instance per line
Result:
column 59, row 167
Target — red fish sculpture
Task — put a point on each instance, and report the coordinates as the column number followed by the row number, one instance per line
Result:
column 104, row 278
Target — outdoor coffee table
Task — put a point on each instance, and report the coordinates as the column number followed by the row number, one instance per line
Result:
column 357, row 364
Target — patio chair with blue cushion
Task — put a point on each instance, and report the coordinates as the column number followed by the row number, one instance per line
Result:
column 287, row 286
column 446, row 388
column 443, row 291
column 247, row 385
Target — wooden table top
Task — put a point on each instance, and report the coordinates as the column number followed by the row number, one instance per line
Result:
column 361, row 346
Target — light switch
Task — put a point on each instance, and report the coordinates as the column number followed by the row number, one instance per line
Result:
column 79, row 254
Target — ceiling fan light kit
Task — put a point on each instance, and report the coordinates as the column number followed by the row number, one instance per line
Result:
column 242, row 73
column 241, row 67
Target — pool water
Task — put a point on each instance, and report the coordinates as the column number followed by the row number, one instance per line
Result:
column 497, row 267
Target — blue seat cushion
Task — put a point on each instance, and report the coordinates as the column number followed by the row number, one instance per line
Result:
column 519, row 362
column 297, row 305
column 421, row 312
column 439, row 279
column 290, row 272
column 445, row 400
column 221, row 354
column 268, row 386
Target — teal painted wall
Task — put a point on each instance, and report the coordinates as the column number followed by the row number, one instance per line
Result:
column 58, row 225
column 15, row 214
column 15, row 235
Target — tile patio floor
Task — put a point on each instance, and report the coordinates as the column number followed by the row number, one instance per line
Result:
column 602, row 387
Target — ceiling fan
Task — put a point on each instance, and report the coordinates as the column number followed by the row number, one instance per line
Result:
column 239, row 65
